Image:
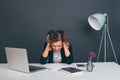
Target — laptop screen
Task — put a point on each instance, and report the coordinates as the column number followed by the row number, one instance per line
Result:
column 17, row 59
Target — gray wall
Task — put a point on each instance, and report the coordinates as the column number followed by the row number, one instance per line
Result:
column 25, row 23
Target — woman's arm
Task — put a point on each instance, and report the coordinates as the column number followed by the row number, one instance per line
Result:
column 66, row 49
column 46, row 50
column 44, row 55
column 68, row 53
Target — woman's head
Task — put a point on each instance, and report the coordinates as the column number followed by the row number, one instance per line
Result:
column 56, row 38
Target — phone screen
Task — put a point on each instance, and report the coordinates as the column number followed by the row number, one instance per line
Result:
column 80, row 65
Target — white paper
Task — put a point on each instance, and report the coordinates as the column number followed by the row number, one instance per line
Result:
column 55, row 66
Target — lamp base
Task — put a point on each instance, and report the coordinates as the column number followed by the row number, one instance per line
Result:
column 106, row 34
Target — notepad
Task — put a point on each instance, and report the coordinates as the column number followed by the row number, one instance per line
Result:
column 72, row 70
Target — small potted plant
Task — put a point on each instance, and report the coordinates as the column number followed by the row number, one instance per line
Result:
column 89, row 65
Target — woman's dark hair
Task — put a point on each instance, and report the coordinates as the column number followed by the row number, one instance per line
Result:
column 57, row 35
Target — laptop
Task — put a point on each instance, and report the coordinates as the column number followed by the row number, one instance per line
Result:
column 17, row 60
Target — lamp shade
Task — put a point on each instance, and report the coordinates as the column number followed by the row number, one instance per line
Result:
column 97, row 21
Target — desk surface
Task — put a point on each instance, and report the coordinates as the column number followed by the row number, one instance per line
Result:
column 102, row 71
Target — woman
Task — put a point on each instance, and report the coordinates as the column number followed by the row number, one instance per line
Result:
column 57, row 49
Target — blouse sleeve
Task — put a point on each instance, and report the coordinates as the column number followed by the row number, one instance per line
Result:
column 43, row 60
column 69, row 59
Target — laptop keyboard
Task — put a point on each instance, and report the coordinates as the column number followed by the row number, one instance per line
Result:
column 35, row 68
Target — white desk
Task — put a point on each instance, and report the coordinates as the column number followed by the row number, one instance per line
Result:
column 102, row 71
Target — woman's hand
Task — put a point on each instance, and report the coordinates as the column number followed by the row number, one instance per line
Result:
column 48, row 40
column 66, row 45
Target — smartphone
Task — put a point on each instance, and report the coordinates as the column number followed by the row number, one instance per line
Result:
column 80, row 65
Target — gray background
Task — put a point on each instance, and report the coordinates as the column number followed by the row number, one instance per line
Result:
column 25, row 23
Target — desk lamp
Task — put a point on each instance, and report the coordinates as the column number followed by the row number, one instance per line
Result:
column 98, row 21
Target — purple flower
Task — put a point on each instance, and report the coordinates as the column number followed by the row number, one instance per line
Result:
column 92, row 54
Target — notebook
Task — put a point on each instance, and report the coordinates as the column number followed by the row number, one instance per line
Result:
column 72, row 70
column 17, row 60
